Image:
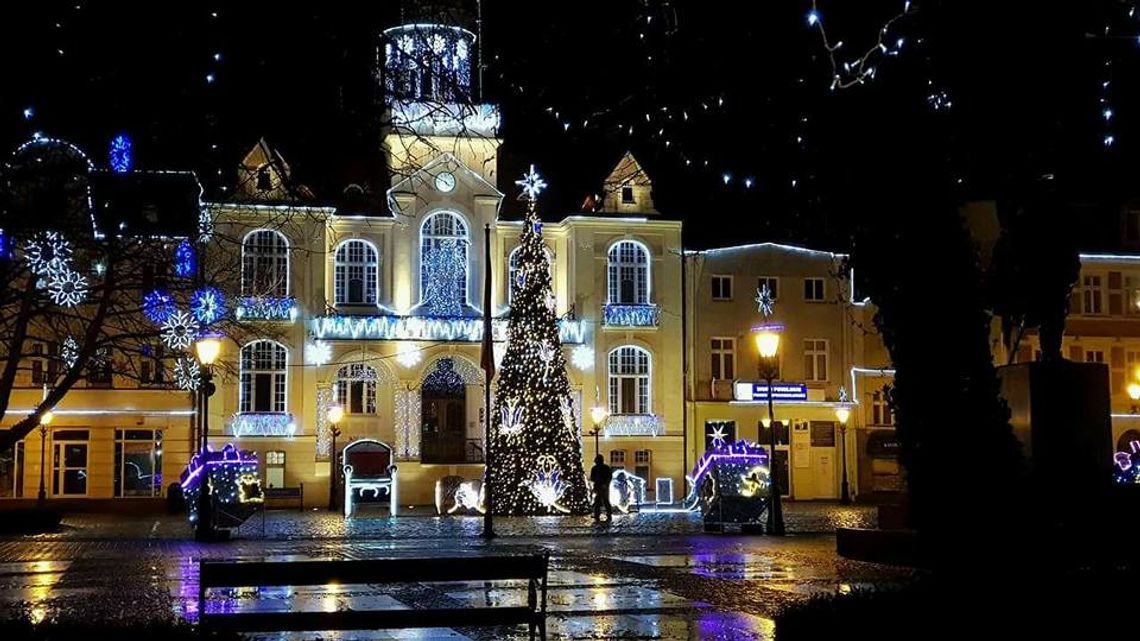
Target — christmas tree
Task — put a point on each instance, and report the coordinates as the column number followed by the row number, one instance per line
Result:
column 537, row 448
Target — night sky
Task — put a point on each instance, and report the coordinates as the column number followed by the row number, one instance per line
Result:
column 1024, row 81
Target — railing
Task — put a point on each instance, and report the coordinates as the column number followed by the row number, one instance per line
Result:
column 268, row 308
column 262, row 424
column 622, row 315
column 633, row 425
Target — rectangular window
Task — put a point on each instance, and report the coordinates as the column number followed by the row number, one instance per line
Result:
column 773, row 284
column 138, row 463
column 1091, row 295
column 99, row 369
column 642, row 457
column 815, row 359
column 723, row 358
column 881, row 410
column 722, row 287
column 617, row 458
column 822, row 433
column 275, row 468
column 69, row 462
column 627, row 195
column 1094, row 356
column 45, row 363
column 12, row 472
column 813, row 289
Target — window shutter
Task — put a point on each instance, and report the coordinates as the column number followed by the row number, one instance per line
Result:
column 1076, row 354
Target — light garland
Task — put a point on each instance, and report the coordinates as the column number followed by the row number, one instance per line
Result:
column 445, row 266
column 179, row 330
column 633, row 425
column 408, row 417
column 427, row 329
column 268, row 308
column 263, row 424
column 66, row 288
column 862, row 68
column 324, row 439
column 187, row 374
column 620, row 315
column 208, row 305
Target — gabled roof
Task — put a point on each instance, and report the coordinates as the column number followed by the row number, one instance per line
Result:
column 423, row 179
column 628, row 172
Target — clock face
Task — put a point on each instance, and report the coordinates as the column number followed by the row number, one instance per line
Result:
column 445, row 181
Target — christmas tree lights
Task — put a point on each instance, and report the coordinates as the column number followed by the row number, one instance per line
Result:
column 537, row 451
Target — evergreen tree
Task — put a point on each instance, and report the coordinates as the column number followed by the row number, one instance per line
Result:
column 537, row 448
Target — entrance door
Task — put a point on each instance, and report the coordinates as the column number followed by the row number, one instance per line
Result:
column 824, row 460
column 444, row 416
column 69, row 463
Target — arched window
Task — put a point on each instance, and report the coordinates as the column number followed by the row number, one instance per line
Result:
column 264, row 366
column 513, row 270
column 265, row 264
column 355, row 277
column 440, row 235
column 356, row 388
column 629, row 273
column 629, row 380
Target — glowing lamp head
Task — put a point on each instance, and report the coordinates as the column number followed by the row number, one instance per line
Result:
column 46, row 418
column 1134, row 391
column 842, row 413
column 336, row 413
column 767, row 342
column 598, row 414
column 207, row 348
column 767, row 422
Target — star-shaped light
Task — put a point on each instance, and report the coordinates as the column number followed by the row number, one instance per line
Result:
column 532, row 184
column 764, row 302
column 718, row 436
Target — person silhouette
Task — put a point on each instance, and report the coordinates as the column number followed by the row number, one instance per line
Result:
column 601, row 475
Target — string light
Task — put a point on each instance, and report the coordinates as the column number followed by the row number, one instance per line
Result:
column 861, row 69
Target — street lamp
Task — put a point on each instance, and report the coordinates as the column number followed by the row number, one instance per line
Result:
column 45, row 420
column 598, row 414
column 842, row 413
column 335, row 416
column 768, row 346
column 207, row 349
column 1134, row 394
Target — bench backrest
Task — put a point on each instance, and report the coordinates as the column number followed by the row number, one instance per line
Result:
column 378, row 571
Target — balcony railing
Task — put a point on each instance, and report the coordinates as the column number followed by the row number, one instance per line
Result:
column 633, row 425
column 263, row 424
column 622, row 315
column 267, row 308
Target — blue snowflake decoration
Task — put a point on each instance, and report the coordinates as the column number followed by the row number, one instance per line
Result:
column 5, row 245
column 121, row 154
column 158, row 306
column 185, row 260
column 208, row 305
column 536, row 227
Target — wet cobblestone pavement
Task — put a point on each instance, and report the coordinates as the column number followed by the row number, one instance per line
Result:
column 648, row 576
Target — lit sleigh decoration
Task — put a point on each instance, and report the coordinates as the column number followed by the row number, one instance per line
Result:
column 547, row 485
column 1126, row 470
column 231, row 478
column 731, row 484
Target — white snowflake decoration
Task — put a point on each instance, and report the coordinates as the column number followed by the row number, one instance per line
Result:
column 582, row 357
column 511, row 425
column 69, row 352
column 765, row 304
column 48, row 252
column 409, row 355
column 532, row 184
column 843, row 396
column 547, row 485
column 318, row 353
column 66, row 287
column 567, row 409
column 187, row 374
column 178, row 331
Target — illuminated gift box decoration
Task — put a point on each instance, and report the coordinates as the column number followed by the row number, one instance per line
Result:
column 234, row 485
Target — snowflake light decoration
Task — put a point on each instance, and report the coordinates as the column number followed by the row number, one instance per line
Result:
column 178, row 331
column 185, row 261
column 47, row 252
column 69, row 352
column 66, row 288
column 546, row 355
column 582, row 357
column 511, row 425
column 318, row 353
column 158, row 306
column 718, row 436
column 843, row 396
column 532, row 184
column 551, row 302
column 187, row 374
column 567, row 409
column 121, row 155
column 547, row 485
column 765, row 304
column 408, row 356
column 208, row 305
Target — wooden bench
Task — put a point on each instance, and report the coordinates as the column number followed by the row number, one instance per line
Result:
column 286, row 494
column 531, row 567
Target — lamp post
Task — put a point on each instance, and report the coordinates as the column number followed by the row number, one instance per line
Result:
column 335, row 415
column 842, row 413
column 768, row 346
column 45, row 421
column 598, row 415
column 206, row 349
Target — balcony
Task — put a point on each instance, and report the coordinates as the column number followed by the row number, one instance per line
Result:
column 622, row 315
column 388, row 327
column 263, row 424
column 633, row 425
column 266, row 308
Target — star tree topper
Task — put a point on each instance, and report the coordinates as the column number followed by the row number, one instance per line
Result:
column 532, row 185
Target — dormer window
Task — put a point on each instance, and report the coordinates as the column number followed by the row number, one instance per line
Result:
column 627, row 196
column 264, row 181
